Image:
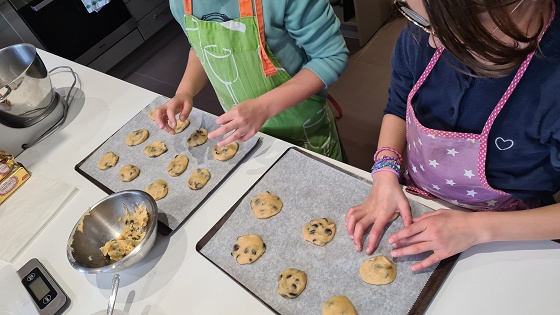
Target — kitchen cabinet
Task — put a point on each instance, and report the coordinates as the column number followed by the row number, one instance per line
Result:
column 150, row 15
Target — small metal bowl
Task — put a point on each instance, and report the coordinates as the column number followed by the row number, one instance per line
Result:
column 102, row 224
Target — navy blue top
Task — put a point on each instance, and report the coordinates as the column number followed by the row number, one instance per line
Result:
column 524, row 142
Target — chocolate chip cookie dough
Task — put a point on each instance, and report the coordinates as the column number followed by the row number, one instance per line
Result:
column 319, row 231
column 226, row 152
column 248, row 249
column 291, row 283
column 181, row 125
column 198, row 137
column 266, row 205
column 378, row 270
column 131, row 235
column 155, row 149
column 178, row 165
column 137, row 137
column 107, row 161
column 339, row 305
column 129, row 173
column 158, row 189
column 198, row 179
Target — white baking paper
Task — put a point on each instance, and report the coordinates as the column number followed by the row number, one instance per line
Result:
column 26, row 212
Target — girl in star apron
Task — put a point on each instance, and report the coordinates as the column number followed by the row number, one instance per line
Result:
column 269, row 63
column 475, row 103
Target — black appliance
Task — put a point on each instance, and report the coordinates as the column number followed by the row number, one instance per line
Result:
column 65, row 27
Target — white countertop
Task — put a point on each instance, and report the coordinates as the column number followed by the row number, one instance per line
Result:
column 495, row 278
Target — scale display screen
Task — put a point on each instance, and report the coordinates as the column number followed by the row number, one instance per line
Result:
column 39, row 288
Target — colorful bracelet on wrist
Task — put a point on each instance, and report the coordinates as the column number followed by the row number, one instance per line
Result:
column 388, row 165
column 398, row 155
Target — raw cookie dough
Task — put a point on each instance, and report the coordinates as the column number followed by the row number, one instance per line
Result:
column 178, row 165
column 129, row 173
column 339, row 305
column 137, row 137
column 378, row 270
column 291, row 283
column 266, row 205
column 394, row 217
column 198, row 137
column 319, row 231
column 198, row 179
column 157, row 189
column 107, row 161
column 181, row 125
column 248, row 249
column 130, row 236
column 226, row 152
column 152, row 114
column 155, row 149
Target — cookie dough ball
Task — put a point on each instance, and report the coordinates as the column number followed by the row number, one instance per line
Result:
column 198, row 137
column 157, row 189
column 178, row 165
column 181, row 125
column 152, row 114
column 266, row 205
column 339, row 305
column 137, row 137
column 394, row 217
column 378, row 270
column 291, row 283
column 319, row 231
column 107, row 161
column 248, row 249
column 226, row 152
column 155, row 149
column 129, row 173
column 198, row 179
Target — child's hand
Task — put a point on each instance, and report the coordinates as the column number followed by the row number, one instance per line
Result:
column 165, row 114
column 445, row 232
column 245, row 118
column 385, row 198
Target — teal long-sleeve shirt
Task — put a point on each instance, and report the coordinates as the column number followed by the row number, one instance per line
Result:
column 300, row 33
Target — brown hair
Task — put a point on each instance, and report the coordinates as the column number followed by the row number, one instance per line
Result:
column 457, row 26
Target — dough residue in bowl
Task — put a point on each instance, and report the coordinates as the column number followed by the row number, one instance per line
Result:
column 130, row 236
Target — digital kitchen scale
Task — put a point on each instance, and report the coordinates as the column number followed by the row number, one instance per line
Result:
column 48, row 296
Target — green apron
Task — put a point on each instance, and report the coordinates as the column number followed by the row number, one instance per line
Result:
column 229, row 53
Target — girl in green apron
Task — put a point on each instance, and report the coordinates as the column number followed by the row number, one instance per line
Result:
column 254, row 88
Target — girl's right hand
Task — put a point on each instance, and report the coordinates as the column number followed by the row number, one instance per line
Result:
column 165, row 114
column 385, row 198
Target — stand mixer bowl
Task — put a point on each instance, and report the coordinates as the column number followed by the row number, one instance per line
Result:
column 26, row 93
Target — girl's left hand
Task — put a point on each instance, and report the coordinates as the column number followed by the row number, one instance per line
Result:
column 245, row 118
column 445, row 232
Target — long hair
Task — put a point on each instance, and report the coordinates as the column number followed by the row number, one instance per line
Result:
column 457, row 25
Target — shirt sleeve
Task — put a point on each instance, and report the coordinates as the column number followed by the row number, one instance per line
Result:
column 402, row 75
column 314, row 27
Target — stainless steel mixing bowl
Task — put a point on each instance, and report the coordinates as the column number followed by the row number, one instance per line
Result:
column 102, row 224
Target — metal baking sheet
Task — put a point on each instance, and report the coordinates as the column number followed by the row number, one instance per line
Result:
column 313, row 188
column 180, row 201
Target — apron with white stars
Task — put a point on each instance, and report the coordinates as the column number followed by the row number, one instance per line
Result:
column 451, row 165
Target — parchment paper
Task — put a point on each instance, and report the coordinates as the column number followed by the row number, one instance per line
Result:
column 310, row 188
column 180, row 201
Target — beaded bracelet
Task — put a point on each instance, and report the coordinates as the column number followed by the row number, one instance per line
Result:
column 399, row 156
column 382, row 164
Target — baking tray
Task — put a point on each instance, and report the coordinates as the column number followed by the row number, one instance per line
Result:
column 180, row 202
column 313, row 188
